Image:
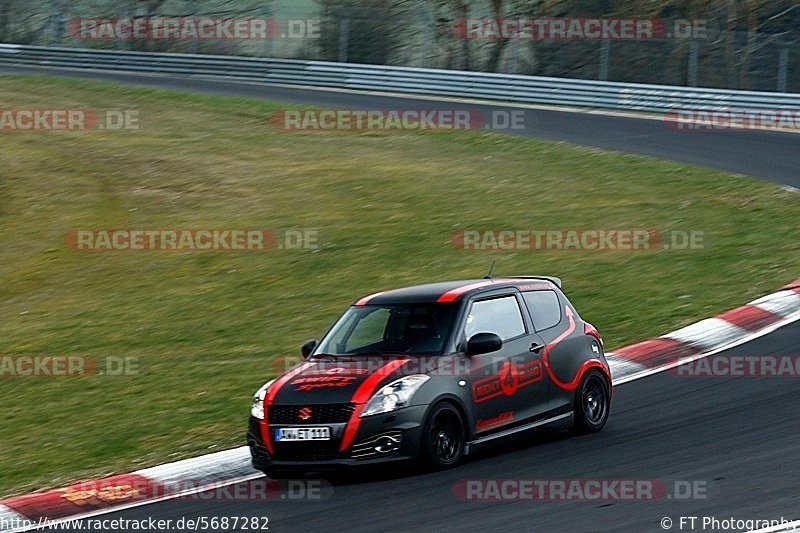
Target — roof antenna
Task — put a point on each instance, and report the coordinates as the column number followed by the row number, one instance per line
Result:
column 489, row 275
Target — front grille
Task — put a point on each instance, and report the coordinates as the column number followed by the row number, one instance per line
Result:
column 306, row 451
column 331, row 413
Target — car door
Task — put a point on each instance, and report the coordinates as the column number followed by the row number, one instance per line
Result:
column 547, row 314
column 506, row 386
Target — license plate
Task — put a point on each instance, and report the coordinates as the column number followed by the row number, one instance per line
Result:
column 297, row 434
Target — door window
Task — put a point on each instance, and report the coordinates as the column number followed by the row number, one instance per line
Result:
column 499, row 315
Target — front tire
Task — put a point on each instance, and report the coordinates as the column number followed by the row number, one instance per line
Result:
column 443, row 437
column 592, row 403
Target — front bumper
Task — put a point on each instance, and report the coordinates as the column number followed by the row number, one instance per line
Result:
column 384, row 438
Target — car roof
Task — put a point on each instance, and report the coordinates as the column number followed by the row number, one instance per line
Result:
column 453, row 291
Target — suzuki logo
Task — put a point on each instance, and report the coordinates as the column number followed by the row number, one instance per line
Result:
column 304, row 413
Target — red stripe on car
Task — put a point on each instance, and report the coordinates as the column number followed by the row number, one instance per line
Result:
column 271, row 393
column 453, row 294
column 362, row 394
column 366, row 299
column 592, row 363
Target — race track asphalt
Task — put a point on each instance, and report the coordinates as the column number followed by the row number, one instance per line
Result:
column 737, row 437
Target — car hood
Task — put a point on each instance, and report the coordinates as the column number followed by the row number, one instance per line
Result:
column 322, row 380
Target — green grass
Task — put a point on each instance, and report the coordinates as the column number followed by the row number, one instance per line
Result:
column 206, row 325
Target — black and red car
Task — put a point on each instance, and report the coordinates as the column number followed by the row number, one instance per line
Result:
column 431, row 373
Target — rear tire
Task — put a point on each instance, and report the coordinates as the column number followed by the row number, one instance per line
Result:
column 592, row 403
column 443, row 437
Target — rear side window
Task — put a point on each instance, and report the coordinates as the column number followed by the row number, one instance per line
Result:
column 544, row 308
column 500, row 315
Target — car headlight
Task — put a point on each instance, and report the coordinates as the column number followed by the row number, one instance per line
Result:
column 395, row 395
column 257, row 407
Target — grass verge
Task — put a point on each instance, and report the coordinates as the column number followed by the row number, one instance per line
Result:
column 385, row 205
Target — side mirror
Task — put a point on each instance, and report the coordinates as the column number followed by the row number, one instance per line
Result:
column 308, row 347
column 484, row 343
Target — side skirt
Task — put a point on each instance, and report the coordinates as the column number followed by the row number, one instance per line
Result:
column 519, row 429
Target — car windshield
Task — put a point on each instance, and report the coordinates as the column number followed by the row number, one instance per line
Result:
column 420, row 329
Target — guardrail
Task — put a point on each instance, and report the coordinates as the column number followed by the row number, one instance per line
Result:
column 454, row 83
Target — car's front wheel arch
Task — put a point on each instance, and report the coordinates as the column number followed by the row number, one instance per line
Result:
column 444, row 435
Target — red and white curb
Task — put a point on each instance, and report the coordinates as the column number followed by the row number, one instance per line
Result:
column 163, row 482
column 707, row 337
column 229, row 467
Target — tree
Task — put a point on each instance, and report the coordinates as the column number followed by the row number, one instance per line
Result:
column 358, row 31
column 498, row 45
column 5, row 15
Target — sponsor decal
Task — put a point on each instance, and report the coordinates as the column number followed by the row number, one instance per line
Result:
column 338, row 371
column 537, row 286
column 510, row 378
column 499, row 420
column 320, row 382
